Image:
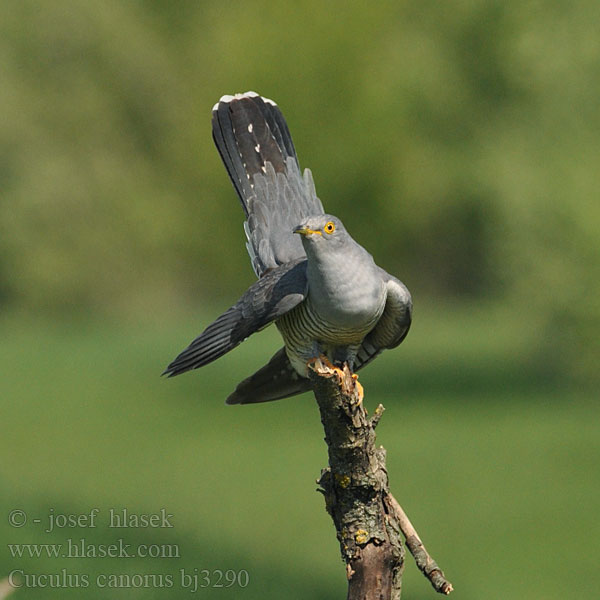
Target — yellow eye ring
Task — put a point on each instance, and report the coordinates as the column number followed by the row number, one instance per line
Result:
column 329, row 227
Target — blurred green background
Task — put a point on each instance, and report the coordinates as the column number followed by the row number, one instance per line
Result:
column 459, row 142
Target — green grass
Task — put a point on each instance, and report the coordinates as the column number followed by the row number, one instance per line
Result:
column 496, row 463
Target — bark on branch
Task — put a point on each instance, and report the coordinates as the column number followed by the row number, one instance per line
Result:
column 367, row 518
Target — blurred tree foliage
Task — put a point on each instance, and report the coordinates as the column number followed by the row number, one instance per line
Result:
column 459, row 141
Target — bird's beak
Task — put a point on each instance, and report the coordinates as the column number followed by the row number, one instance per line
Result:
column 306, row 231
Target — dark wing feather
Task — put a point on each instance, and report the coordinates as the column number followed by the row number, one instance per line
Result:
column 276, row 380
column 393, row 325
column 255, row 144
column 276, row 293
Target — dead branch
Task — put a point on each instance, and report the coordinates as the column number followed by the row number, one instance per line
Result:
column 367, row 518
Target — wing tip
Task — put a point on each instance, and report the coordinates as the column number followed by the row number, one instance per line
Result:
column 233, row 399
column 170, row 371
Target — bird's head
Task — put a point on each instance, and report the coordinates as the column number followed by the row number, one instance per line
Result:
column 322, row 231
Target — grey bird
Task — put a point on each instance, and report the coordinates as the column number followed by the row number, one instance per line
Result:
column 323, row 291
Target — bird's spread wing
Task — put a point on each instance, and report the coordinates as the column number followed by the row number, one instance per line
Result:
column 256, row 146
column 393, row 325
column 278, row 379
column 276, row 293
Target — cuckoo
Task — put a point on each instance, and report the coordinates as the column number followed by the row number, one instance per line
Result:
column 324, row 292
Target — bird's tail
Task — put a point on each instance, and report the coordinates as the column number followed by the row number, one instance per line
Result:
column 250, row 131
column 255, row 144
column 276, row 380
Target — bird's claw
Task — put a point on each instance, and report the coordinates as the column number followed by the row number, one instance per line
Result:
column 359, row 388
column 321, row 364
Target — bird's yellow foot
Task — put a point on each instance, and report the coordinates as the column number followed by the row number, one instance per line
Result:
column 360, row 389
column 331, row 366
column 321, row 361
column 322, row 365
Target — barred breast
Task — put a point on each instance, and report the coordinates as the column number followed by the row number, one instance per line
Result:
column 307, row 334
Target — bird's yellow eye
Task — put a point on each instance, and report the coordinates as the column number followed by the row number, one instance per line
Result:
column 329, row 228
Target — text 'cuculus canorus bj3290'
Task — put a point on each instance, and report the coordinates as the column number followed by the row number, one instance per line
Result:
column 323, row 291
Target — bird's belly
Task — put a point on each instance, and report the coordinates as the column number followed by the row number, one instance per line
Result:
column 307, row 331
column 345, row 327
